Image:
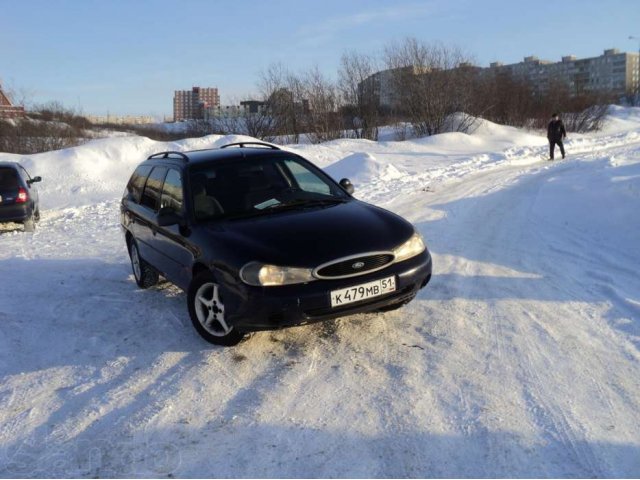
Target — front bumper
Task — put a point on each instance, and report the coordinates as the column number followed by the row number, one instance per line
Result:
column 268, row 308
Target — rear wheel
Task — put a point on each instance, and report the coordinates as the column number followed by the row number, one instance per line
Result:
column 208, row 313
column 144, row 274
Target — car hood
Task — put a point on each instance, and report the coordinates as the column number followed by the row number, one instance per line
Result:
column 312, row 236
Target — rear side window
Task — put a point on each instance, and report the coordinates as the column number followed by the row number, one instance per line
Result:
column 136, row 184
column 151, row 194
column 8, row 178
column 172, row 192
column 23, row 173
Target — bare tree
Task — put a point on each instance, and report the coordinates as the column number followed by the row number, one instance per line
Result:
column 323, row 121
column 504, row 99
column 430, row 82
column 360, row 94
column 283, row 92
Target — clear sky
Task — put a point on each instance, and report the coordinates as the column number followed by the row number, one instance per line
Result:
column 127, row 57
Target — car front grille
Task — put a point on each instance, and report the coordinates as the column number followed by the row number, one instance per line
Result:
column 354, row 266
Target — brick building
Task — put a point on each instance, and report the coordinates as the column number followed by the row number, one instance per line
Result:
column 193, row 104
column 7, row 109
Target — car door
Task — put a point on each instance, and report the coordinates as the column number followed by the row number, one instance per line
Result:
column 144, row 215
column 170, row 240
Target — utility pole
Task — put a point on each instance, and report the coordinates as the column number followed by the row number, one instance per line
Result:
column 637, row 102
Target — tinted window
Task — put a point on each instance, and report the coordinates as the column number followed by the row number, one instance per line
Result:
column 172, row 192
column 151, row 194
column 307, row 180
column 136, row 184
column 258, row 186
column 8, row 178
column 23, row 173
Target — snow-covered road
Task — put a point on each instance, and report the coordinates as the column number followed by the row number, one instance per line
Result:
column 521, row 357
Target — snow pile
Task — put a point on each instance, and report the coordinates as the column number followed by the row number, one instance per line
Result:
column 363, row 168
column 621, row 119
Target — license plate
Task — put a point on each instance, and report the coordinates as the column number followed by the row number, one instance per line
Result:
column 363, row 291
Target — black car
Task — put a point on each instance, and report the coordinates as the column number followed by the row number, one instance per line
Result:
column 260, row 239
column 19, row 201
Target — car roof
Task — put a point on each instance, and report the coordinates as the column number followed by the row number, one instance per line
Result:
column 9, row 164
column 195, row 157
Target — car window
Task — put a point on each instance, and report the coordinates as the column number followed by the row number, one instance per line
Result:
column 151, row 194
column 8, row 178
column 307, row 180
column 137, row 181
column 172, row 192
column 257, row 186
column 23, row 173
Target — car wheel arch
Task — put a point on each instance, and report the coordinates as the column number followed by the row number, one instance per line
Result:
column 198, row 268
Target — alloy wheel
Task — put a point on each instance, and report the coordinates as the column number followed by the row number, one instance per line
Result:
column 210, row 310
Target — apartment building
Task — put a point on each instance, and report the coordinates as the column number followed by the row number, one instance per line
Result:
column 381, row 85
column 612, row 72
column 193, row 104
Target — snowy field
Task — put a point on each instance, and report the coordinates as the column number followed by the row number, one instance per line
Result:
column 521, row 358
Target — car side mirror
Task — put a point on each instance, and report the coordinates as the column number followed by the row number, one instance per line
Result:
column 34, row 180
column 347, row 185
column 167, row 217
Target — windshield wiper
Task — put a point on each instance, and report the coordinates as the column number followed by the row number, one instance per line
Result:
column 305, row 202
column 279, row 207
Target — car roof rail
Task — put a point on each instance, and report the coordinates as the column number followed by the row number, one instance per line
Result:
column 169, row 154
column 259, row 144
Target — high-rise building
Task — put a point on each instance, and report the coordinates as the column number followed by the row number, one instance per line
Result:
column 192, row 104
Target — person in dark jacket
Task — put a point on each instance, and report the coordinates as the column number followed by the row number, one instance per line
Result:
column 555, row 133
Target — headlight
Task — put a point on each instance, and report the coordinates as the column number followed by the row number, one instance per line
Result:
column 261, row 275
column 412, row 247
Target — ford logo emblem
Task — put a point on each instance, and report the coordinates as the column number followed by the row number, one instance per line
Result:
column 357, row 265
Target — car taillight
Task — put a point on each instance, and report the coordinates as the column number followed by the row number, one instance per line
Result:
column 23, row 196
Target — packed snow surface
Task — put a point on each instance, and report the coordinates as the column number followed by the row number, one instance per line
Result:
column 520, row 358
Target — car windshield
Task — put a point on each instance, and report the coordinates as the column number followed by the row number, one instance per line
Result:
column 8, row 178
column 253, row 187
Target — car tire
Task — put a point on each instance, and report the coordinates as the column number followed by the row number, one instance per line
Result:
column 36, row 216
column 30, row 225
column 207, row 311
column 146, row 276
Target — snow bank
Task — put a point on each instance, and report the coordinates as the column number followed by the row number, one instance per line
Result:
column 363, row 168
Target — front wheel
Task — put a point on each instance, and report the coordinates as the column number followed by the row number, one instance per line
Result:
column 207, row 312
